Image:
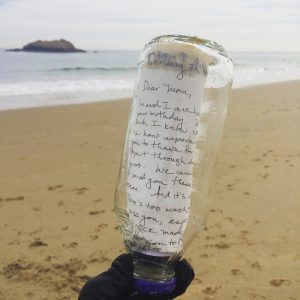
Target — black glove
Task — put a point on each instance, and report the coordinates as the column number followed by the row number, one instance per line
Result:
column 117, row 282
column 114, row 284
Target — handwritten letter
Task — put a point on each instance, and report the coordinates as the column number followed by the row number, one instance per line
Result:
column 161, row 144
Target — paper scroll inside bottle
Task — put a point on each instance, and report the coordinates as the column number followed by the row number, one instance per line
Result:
column 161, row 145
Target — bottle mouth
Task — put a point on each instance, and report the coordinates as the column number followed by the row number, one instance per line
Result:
column 191, row 40
column 154, row 268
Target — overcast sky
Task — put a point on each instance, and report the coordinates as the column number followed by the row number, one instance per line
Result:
column 260, row 25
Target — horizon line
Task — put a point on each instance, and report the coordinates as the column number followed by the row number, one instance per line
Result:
column 140, row 50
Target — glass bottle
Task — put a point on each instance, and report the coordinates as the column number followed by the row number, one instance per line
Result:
column 174, row 131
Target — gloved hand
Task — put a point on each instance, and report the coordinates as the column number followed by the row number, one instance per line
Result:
column 117, row 282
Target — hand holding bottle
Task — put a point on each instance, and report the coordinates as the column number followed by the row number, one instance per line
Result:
column 117, row 282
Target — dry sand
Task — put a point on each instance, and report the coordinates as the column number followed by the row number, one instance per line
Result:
column 58, row 172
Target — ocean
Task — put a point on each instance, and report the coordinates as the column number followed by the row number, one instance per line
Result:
column 43, row 79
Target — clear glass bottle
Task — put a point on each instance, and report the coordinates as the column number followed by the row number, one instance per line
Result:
column 174, row 131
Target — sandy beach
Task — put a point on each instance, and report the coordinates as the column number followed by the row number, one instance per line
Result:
column 59, row 167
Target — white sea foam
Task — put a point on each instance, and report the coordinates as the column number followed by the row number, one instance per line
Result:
column 28, row 88
column 246, row 76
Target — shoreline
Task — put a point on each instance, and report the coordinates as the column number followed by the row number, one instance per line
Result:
column 59, row 167
column 253, row 86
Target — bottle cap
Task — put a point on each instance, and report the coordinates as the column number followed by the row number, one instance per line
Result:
column 147, row 287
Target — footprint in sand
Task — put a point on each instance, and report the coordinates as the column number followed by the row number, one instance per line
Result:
column 100, row 258
column 70, row 245
column 230, row 186
column 55, row 187
column 211, row 290
column 102, row 225
column 98, row 200
column 280, row 282
column 96, row 212
column 256, row 265
column 244, row 232
column 8, row 199
column 204, row 255
column 80, row 191
column 37, row 243
column 222, row 246
column 236, row 272
column 197, row 280
column 84, row 277
column 258, row 297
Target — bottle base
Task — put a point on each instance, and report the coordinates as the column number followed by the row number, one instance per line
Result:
column 148, row 287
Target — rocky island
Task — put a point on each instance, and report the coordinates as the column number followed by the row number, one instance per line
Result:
column 56, row 46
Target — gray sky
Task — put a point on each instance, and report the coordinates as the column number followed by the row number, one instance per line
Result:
column 260, row 25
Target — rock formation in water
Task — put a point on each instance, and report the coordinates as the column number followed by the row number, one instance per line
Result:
column 56, row 46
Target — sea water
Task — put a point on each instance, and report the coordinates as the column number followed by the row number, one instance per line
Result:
column 45, row 79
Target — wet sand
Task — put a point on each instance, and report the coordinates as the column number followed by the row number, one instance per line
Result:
column 58, row 172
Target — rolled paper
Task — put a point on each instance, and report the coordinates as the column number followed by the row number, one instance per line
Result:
column 164, row 129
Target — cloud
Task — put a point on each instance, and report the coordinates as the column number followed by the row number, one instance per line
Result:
column 3, row 2
column 119, row 24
